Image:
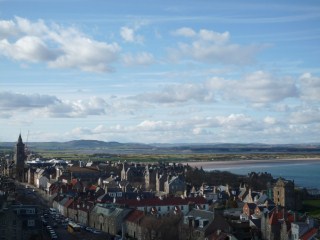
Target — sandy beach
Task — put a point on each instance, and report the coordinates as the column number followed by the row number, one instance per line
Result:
column 211, row 164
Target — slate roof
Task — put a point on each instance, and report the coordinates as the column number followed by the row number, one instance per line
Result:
column 309, row 234
column 109, row 210
column 166, row 201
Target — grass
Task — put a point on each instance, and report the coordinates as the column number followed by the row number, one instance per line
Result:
column 85, row 156
column 312, row 207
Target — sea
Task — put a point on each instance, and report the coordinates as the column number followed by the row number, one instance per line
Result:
column 304, row 173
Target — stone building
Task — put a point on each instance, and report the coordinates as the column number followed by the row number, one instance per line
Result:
column 160, row 180
column 108, row 218
column 174, row 186
column 133, row 228
column 19, row 222
column 199, row 224
column 19, row 159
column 150, row 178
column 283, row 193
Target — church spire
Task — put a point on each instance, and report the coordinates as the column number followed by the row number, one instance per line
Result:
column 20, row 139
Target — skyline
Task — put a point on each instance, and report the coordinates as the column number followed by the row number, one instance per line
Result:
column 166, row 72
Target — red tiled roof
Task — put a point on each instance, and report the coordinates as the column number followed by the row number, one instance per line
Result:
column 309, row 234
column 82, row 169
column 86, row 207
column 135, row 216
column 274, row 219
column 166, row 201
column 68, row 203
column 74, row 181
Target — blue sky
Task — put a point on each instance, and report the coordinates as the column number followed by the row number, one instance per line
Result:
column 160, row 71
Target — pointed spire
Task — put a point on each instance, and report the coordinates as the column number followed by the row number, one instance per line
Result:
column 20, row 139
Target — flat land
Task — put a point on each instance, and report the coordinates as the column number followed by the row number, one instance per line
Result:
column 192, row 159
column 240, row 162
column 312, row 207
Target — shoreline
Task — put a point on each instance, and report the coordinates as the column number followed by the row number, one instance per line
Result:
column 205, row 164
column 289, row 168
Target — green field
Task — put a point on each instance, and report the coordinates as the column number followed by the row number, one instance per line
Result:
column 312, row 207
column 84, row 156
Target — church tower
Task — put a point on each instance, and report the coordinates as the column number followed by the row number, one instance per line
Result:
column 19, row 157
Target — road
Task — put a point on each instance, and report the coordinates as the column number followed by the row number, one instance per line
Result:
column 28, row 194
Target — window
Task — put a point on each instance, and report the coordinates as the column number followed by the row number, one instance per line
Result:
column 30, row 211
column 31, row 223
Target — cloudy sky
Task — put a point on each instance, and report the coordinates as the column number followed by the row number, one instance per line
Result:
column 171, row 71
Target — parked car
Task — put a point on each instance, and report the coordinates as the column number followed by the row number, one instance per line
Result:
column 89, row 229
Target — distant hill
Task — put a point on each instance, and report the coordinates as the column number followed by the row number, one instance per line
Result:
column 95, row 146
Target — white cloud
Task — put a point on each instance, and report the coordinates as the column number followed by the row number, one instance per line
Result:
column 142, row 58
column 12, row 101
column 305, row 115
column 129, row 35
column 185, row 32
column 270, row 120
column 7, row 29
column 50, row 106
column 179, row 93
column 212, row 47
column 28, row 48
column 59, row 47
column 261, row 87
column 76, row 109
column 149, row 125
column 258, row 88
column 310, row 87
column 236, row 121
column 211, row 36
column 87, row 55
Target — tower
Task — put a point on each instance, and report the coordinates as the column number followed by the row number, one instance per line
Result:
column 283, row 193
column 19, row 157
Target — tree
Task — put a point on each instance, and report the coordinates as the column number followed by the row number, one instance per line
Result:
column 161, row 227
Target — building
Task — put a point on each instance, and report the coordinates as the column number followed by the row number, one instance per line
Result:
column 150, row 178
column 174, row 186
column 19, row 159
column 164, row 205
column 19, row 222
column 85, row 174
column 133, row 228
column 108, row 218
column 283, row 193
column 199, row 224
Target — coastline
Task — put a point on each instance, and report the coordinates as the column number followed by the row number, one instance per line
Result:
column 303, row 171
column 206, row 164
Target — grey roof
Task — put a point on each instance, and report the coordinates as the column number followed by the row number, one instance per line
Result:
column 63, row 201
column 204, row 214
column 201, row 215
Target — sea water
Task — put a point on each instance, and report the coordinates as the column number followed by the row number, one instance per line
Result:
column 303, row 173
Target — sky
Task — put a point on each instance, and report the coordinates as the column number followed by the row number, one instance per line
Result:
column 164, row 71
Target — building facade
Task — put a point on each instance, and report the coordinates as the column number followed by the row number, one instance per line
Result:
column 19, row 159
column 283, row 194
